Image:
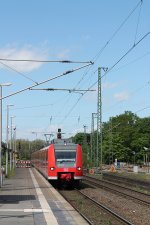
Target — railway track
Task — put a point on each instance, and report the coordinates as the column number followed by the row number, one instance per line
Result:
column 122, row 190
column 144, row 185
column 94, row 212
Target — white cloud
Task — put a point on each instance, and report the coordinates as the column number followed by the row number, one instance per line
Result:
column 63, row 54
column 25, row 52
column 107, row 85
column 122, row 96
column 91, row 96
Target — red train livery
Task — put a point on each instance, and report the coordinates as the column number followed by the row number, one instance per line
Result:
column 61, row 160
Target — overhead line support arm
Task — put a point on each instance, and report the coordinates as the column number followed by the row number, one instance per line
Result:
column 45, row 81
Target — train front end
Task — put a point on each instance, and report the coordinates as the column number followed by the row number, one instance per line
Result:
column 65, row 161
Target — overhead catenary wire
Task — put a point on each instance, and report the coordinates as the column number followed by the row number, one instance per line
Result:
column 72, row 108
column 95, row 58
column 117, row 30
column 37, row 61
column 130, row 49
column 138, row 20
column 38, row 106
column 44, row 61
column 142, row 109
column 135, row 44
column 133, row 61
column 31, row 107
column 106, row 45
column 131, row 94
column 17, row 71
column 59, row 89
column 45, row 81
column 69, row 61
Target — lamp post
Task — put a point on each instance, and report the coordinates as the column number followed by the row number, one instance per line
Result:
column 1, row 86
column 14, row 147
column 7, row 139
column 11, row 145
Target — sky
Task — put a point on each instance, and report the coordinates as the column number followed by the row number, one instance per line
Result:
column 112, row 34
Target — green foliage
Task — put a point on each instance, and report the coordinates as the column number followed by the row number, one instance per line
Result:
column 3, row 153
column 123, row 138
column 84, row 141
column 128, row 134
column 10, row 172
column 79, row 138
column 26, row 147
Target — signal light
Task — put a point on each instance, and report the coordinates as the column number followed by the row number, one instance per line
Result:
column 78, row 168
column 59, row 134
column 52, row 168
column 59, row 130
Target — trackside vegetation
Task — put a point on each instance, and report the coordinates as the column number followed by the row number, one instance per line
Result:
column 125, row 137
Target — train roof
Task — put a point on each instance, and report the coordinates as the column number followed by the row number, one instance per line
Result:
column 64, row 144
column 61, row 144
column 62, row 141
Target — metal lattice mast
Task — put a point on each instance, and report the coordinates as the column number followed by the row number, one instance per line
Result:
column 99, row 118
column 92, row 133
column 93, row 149
column 99, row 108
column 110, row 142
column 85, row 144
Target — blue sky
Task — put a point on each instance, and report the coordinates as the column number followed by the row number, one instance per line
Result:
column 78, row 31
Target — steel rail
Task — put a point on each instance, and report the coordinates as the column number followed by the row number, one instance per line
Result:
column 120, row 186
column 107, row 209
column 90, row 222
column 117, row 191
column 127, row 180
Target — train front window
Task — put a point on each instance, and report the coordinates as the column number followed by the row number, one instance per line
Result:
column 65, row 158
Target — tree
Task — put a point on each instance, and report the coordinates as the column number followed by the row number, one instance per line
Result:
column 124, row 137
column 83, row 139
column 26, row 147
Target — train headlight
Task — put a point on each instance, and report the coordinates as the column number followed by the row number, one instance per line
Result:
column 78, row 168
column 52, row 168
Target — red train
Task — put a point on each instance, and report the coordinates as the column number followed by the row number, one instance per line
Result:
column 61, row 161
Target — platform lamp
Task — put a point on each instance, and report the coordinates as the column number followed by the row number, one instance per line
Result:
column 14, row 147
column 11, row 145
column 1, row 175
column 7, row 138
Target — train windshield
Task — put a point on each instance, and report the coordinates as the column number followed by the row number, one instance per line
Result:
column 65, row 158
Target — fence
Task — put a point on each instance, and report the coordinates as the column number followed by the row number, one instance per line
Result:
column 23, row 164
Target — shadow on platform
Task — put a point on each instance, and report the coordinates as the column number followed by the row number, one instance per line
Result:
column 15, row 199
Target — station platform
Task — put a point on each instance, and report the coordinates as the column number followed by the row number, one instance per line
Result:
column 29, row 199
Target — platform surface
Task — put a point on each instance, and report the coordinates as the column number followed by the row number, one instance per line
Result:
column 28, row 199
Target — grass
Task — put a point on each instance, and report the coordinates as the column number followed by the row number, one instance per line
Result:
column 10, row 172
column 141, row 176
